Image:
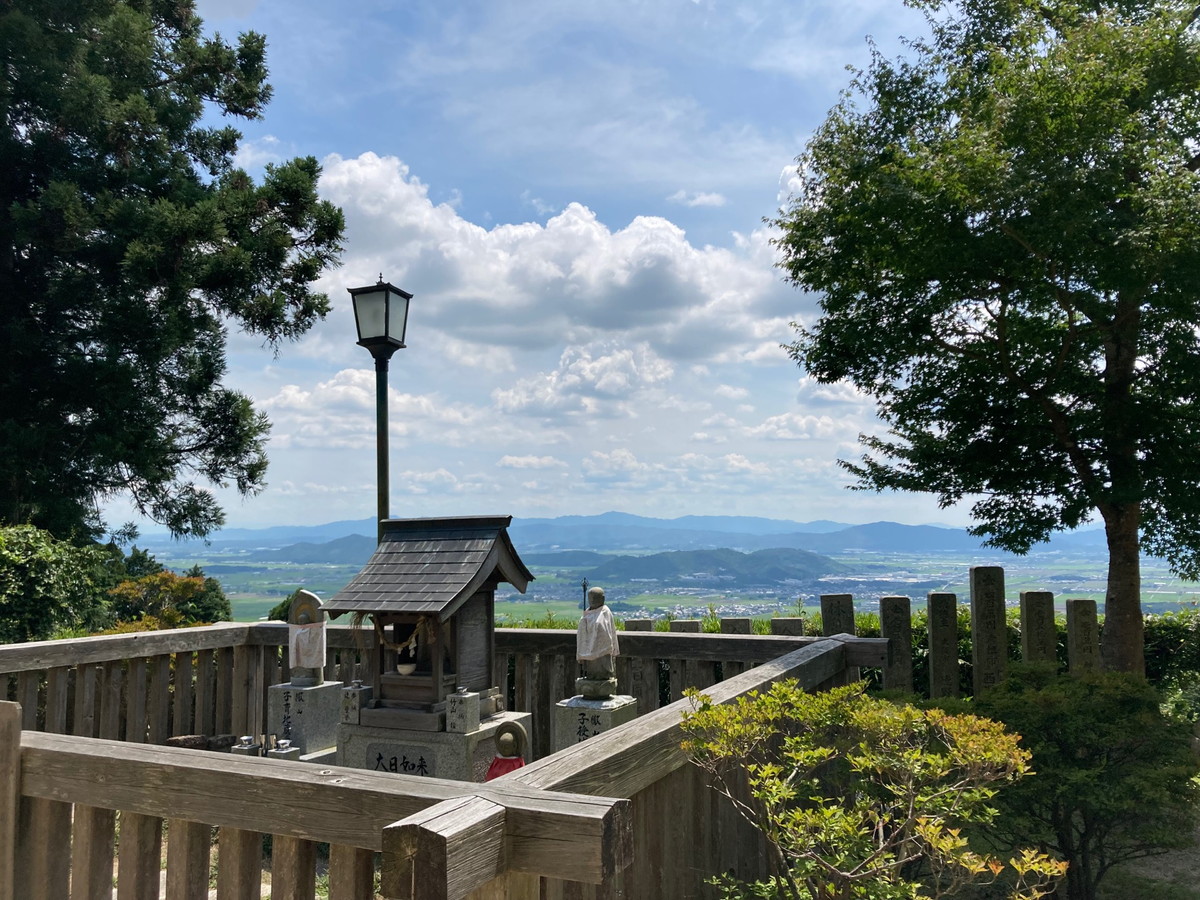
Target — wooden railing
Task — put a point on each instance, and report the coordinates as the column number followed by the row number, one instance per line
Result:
column 618, row 816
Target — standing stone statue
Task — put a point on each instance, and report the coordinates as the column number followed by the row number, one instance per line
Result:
column 595, row 647
column 306, row 640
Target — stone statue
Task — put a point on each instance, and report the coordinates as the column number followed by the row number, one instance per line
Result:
column 595, row 647
column 306, row 640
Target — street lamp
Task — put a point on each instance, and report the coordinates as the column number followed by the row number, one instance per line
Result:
column 381, row 315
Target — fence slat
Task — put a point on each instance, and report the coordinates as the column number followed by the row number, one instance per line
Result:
column 189, row 845
column 41, row 875
column 239, row 864
column 135, row 702
column 112, row 683
column 293, row 868
column 204, row 721
column 158, row 713
column 57, row 684
column 351, row 873
column 84, row 723
column 138, row 857
column 10, row 795
column 181, row 718
column 223, row 700
column 92, row 853
column 28, row 686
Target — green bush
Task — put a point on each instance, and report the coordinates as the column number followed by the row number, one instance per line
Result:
column 1116, row 778
column 859, row 797
column 47, row 585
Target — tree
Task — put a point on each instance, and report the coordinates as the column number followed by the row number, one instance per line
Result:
column 171, row 600
column 129, row 243
column 859, row 797
column 211, row 604
column 1114, row 778
column 47, row 585
column 1005, row 228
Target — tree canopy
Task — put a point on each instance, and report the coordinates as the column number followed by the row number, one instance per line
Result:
column 129, row 243
column 1004, row 226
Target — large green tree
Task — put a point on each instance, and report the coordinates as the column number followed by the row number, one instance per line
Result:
column 1004, row 227
column 129, row 244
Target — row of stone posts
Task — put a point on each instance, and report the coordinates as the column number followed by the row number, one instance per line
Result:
column 989, row 632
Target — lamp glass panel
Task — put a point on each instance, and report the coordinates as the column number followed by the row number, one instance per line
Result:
column 369, row 312
column 398, row 318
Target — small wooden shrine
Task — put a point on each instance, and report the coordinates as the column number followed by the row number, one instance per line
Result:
column 429, row 593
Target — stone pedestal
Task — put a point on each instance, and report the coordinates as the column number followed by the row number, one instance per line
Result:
column 306, row 716
column 577, row 719
column 435, row 754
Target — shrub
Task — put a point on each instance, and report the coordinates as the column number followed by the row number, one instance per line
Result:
column 1115, row 777
column 859, row 797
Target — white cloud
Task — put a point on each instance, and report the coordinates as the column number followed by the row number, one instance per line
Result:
column 530, row 462
column 696, row 198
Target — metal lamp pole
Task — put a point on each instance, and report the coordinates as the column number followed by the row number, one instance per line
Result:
column 381, row 315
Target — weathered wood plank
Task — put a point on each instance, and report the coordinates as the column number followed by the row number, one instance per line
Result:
column 181, row 707
column 158, row 712
column 204, row 721
column 511, row 886
column 84, row 720
column 103, row 648
column 223, row 699
column 57, row 683
column 351, row 873
column 112, row 687
column 28, row 686
column 189, row 845
column 577, row 836
column 628, row 759
column 139, row 856
column 444, row 852
column 92, row 853
column 42, row 875
column 239, row 864
column 243, row 663
column 10, row 795
column 293, row 868
column 750, row 648
column 135, row 702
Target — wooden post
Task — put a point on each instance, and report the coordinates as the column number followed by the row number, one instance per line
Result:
column 989, row 630
column 1083, row 636
column 139, row 857
column 895, row 624
column 10, row 795
column 1038, row 634
column 445, row 851
column 942, row 622
column 43, row 868
column 293, row 868
column 239, row 859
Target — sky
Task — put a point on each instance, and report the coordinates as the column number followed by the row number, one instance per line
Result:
column 575, row 194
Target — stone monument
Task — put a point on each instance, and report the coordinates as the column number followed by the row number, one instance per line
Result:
column 305, row 711
column 596, row 707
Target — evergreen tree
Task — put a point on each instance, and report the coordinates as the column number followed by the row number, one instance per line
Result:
column 129, row 243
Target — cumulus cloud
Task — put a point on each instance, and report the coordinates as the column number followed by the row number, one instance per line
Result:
column 530, row 462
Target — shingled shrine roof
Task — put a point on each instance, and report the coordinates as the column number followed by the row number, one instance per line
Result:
column 432, row 566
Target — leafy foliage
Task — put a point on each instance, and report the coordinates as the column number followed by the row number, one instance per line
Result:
column 129, row 243
column 47, row 585
column 861, row 798
column 1006, row 237
column 1116, row 779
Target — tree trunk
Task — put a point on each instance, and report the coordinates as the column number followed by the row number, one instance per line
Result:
column 1122, row 647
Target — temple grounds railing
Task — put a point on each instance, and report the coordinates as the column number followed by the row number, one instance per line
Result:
column 90, row 798
column 86, row 792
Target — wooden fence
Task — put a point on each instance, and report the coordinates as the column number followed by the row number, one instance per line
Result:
column 86, row 790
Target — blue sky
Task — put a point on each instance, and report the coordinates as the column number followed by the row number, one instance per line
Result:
column 575, row 194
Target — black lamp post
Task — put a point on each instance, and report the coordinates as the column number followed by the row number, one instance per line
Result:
column 381, row 314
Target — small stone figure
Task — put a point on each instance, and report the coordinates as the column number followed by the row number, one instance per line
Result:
column 306, row 640
column 595, row 647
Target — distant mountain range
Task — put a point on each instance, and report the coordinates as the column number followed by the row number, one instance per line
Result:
column 351, row 542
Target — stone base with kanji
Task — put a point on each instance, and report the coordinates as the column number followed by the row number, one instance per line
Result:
column 434, row 754
column 577, row 719
column 306, row 716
